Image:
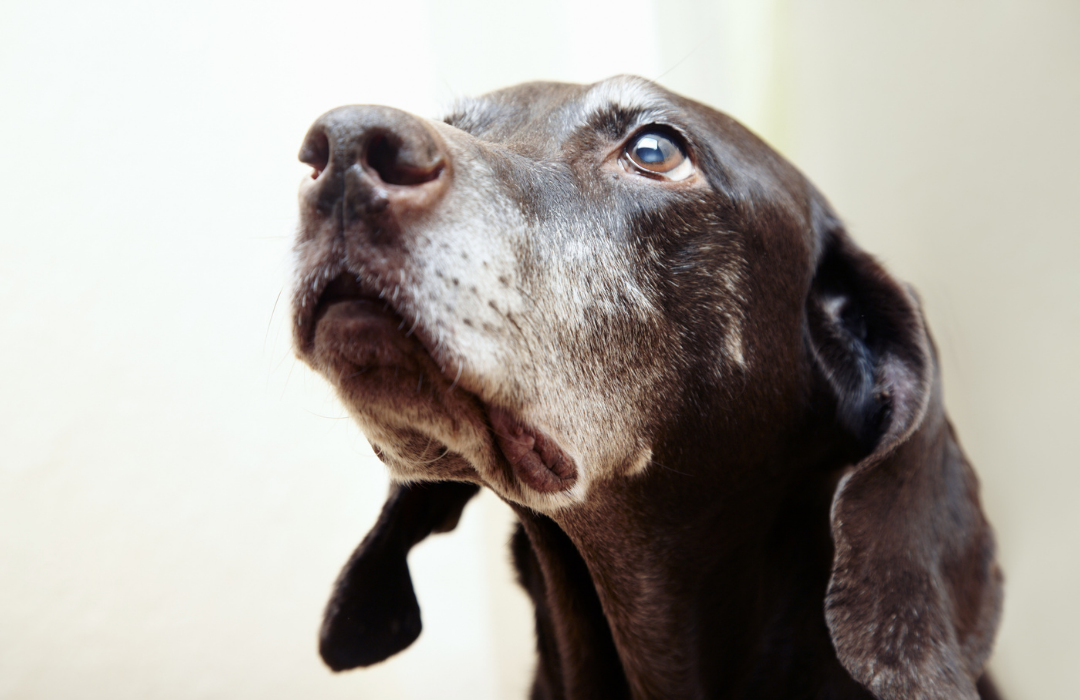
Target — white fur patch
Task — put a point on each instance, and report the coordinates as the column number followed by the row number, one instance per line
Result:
column 544, row 311
column 626, row 92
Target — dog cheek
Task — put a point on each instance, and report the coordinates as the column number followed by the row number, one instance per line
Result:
column 542, row 314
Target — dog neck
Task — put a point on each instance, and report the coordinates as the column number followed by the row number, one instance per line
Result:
column 708, row 583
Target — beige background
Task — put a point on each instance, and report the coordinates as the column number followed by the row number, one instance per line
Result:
column 177, row 492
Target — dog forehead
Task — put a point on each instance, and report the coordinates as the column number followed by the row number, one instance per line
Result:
column 549, row 120
column 538, row 116
column 750, row 185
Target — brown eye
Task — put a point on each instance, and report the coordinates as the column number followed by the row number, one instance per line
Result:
column 657, row 154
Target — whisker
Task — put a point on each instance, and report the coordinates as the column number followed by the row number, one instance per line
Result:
column 271, row 321
column 319, row 415
column 287, row 378
column 672, row 470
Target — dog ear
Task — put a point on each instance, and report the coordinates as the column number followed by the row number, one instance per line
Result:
column 373, row 613
column 915, row 594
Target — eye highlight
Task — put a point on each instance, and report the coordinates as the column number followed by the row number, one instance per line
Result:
column 657, row 154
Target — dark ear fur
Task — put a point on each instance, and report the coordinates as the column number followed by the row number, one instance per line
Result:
column 915, row 594
column 373, row 613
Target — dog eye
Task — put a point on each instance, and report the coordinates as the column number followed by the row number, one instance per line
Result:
column 657, row 154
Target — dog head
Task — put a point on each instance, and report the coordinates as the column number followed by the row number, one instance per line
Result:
column 527, row 293
column 540, row 292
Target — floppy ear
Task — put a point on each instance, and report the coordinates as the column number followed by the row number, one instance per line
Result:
column 915, row 594
column 373, row 613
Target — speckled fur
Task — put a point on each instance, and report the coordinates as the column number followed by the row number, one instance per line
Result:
column 768, row 502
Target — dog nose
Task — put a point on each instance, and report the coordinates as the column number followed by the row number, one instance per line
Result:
column 372, row 159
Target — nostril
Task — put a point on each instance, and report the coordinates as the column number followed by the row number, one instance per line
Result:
column 316, row 152
column 397, row 166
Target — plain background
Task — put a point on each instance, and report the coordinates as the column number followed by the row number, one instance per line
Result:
column 177, row 492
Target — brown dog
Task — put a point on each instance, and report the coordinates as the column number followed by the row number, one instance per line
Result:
column 718, row 420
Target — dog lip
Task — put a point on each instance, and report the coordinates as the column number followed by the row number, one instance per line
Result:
column 345, row 287
column 373, row 321
column 534, row 456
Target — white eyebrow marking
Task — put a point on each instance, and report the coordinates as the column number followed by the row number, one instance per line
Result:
column 627, row 92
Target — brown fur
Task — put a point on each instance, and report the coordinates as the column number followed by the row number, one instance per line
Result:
column 718, row 420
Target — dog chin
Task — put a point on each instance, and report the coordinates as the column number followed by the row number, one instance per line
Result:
column 422, row 425
column 395, row 391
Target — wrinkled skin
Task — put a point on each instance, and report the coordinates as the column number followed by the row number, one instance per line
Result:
column 697, row 394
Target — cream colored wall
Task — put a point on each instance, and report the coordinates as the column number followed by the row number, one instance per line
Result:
column 177, row 493
column 947, row 135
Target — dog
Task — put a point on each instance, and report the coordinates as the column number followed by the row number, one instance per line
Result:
column 718, row 420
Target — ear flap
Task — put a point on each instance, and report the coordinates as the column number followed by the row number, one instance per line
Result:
column 373, row 613
column 915, row 594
